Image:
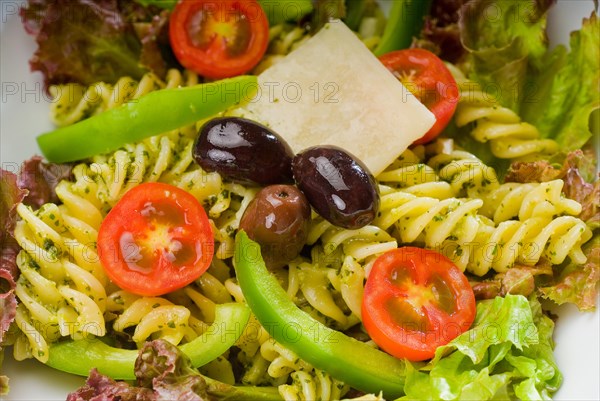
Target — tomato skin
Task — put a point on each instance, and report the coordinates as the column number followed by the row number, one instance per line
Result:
column 155, row 240
column 416, row 300
column 425, row 75
column 219, row 39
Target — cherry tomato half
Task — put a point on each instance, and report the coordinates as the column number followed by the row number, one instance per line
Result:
column 156, row 239
column 416, row 300
column 219, row 39
column 426, row 77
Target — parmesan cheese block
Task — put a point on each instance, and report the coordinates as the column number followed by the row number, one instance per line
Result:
column 333, row 91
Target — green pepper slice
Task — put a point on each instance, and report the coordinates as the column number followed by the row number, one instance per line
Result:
column 278, row 11
column 405, row 21
column 80, row 356
column 345, row 358
column 152, row 114
column 227, row 392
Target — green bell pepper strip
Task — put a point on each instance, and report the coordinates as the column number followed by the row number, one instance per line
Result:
column 280, row 11
column 277, row 11
column 405, row 21
column 227, row 392
column 80, row 356
column 345, row 358
column 165, row 4
column 151, row 114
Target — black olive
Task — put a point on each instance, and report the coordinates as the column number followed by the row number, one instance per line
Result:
column 338, row 186
column 278, row 218
column 244, row 151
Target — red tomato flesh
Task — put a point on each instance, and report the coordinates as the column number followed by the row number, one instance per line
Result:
column 155, row 240
column 425, row 76
column 219, row 39
column 416, row 300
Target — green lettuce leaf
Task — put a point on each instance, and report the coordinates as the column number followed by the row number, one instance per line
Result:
column 507, row 354
column 578, row 284
column 568, row 92
column 555, row 90
column 505, row 37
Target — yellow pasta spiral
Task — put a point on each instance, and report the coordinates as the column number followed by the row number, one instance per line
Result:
column 267, row 361
column 329, row 284
column 74, row 102
column 525, row 242
column 509, row 137
column 411, row 174
column 313, row 385
column 523, row 201
column 283, row 38
column 465, row 173
column 445, row 225
column 61, row 288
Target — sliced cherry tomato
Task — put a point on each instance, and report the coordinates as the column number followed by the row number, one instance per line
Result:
column 416, row 300
column 156, row 239
column 219, row 39
column 426, row 77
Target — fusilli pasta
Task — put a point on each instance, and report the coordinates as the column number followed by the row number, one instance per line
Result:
column 63, row 287
column 509, row 137
column 465, row 173
column 522, row 201
column 411, row 174
column 74, row 102
column 456, row 228
column 500, row 247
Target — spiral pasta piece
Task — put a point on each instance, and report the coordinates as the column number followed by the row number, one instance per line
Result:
column 412, row 175
column 446, row 225
column 359, row 243
column 509, row 137
column 283, row 38
column 525, row 242
column 74, row 102
column 65, row 297
column 465, row 173
column 267, row 361
column 352, row 277
column 227, row 210
column 523, row 201
column 31, row 342
column 314, row 282
column 166, row 158
column 474, row 242
column 329, row 284
column 313, row 385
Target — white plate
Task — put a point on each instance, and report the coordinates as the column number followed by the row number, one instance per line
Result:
column 24, row 115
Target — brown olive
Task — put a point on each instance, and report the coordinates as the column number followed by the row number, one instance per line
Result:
column 338, row 186
column 277, row 218
column 243, row 150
